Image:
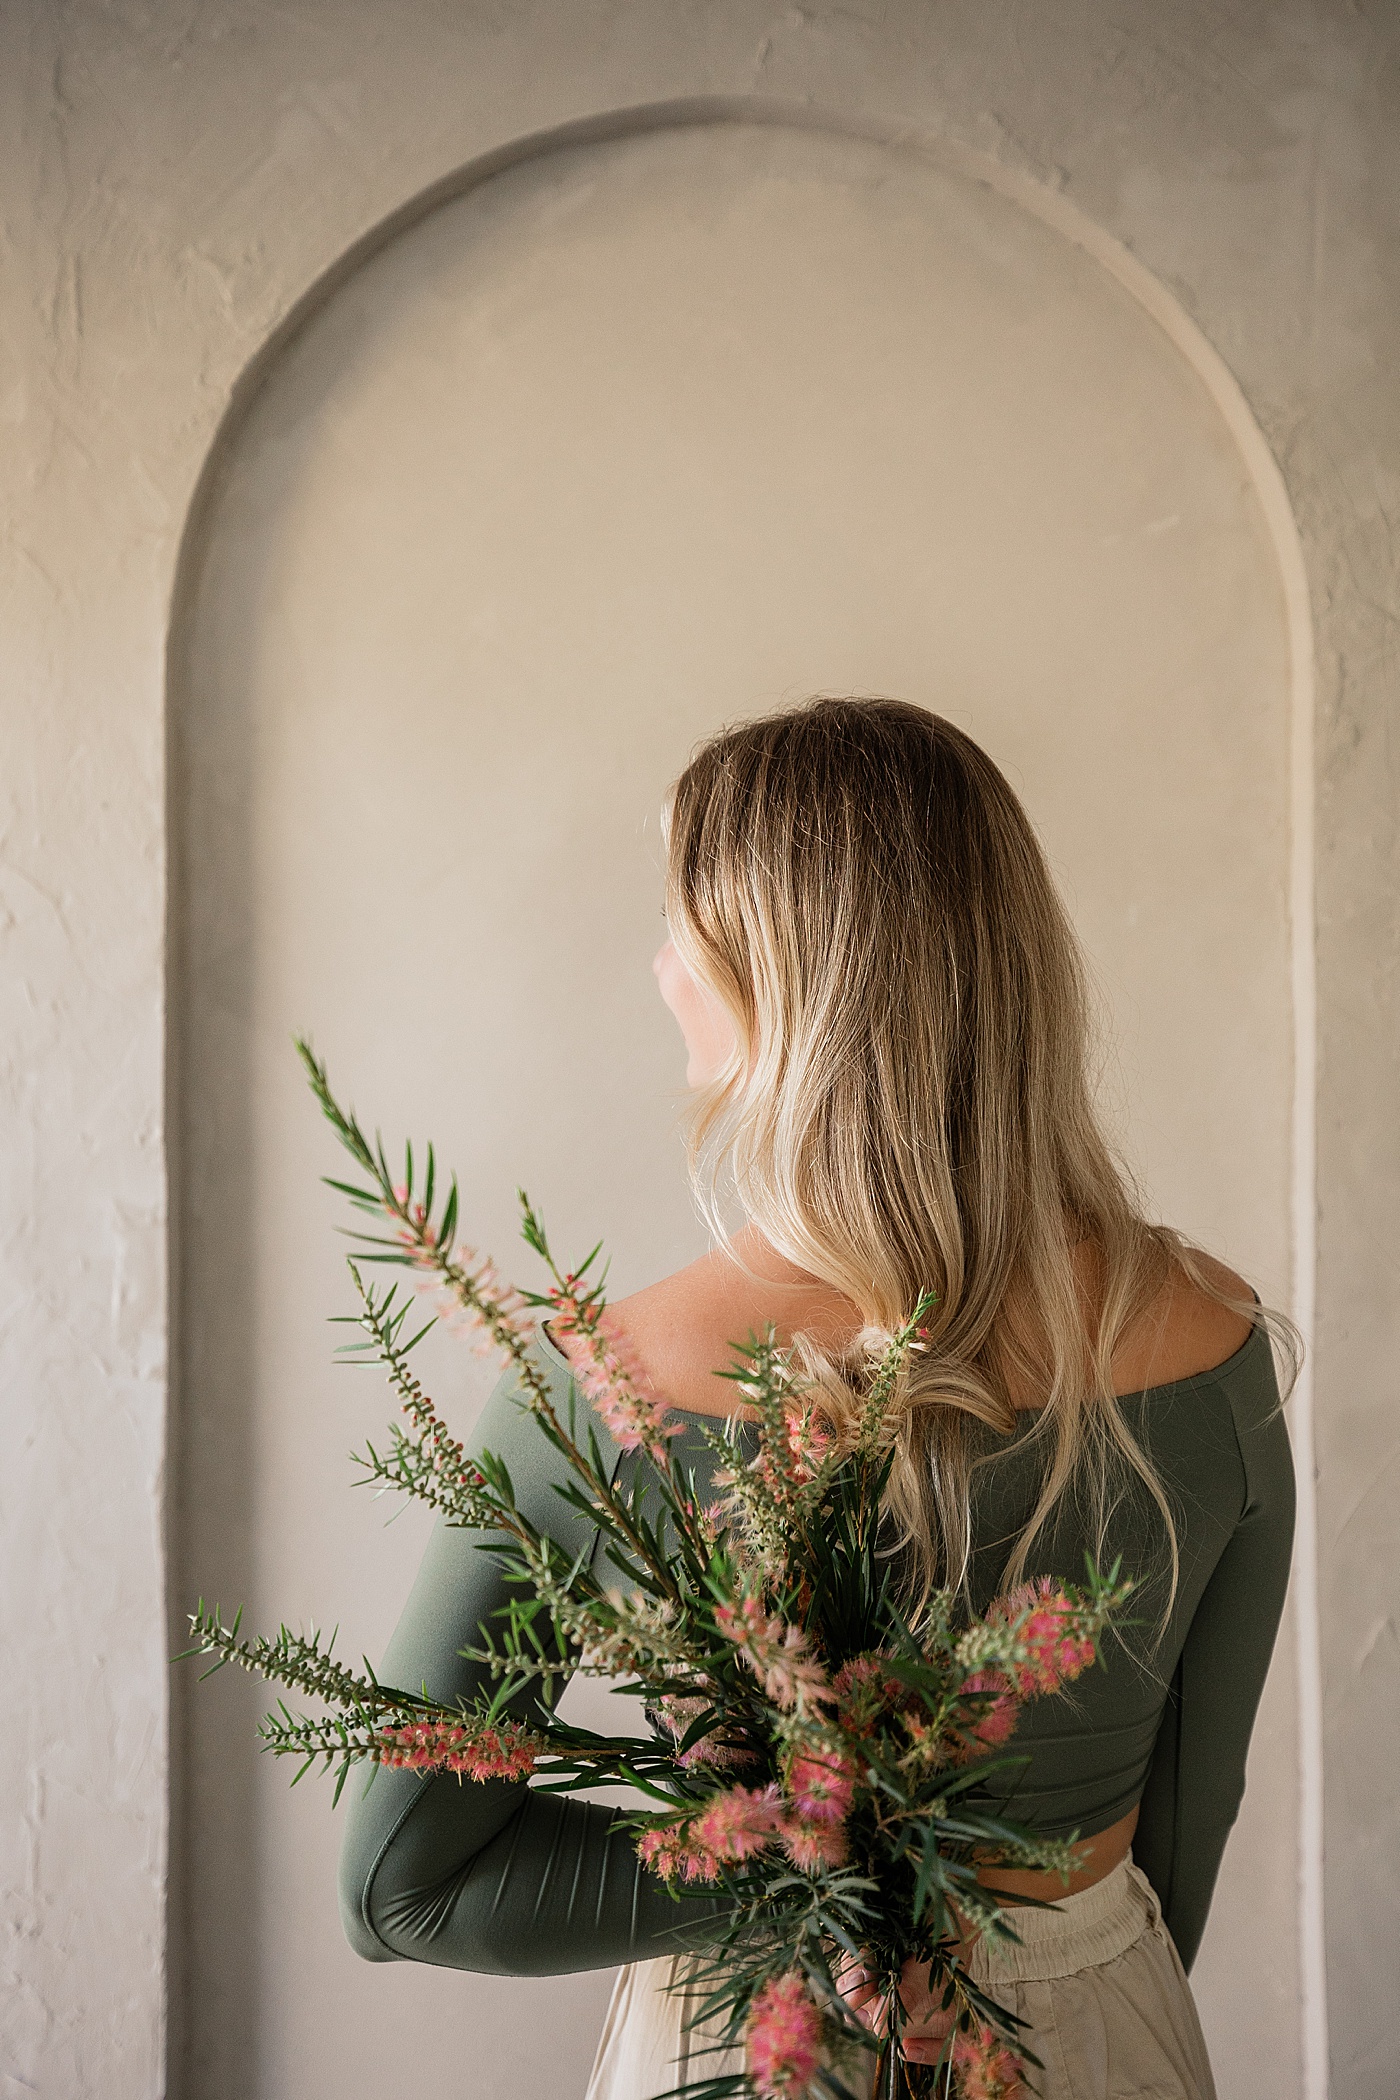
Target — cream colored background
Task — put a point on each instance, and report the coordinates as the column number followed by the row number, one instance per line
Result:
column 176, row 183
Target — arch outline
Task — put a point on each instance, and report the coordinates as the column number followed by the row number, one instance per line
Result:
column 1055, row 210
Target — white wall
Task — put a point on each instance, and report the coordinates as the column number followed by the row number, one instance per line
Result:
column 630, row 439
column 175, row 181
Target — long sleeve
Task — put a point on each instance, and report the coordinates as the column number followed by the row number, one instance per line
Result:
column 1196, row 1778
column 492, row 1876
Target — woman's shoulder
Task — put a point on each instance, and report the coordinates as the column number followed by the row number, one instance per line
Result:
column 684, row 1328
column 1208, row 1400
column 672, row 1335
column 1186, row 1332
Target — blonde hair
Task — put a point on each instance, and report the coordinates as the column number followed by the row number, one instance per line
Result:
column 907, row 1105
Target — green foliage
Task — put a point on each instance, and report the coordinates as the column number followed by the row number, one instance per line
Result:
column 760, row 1634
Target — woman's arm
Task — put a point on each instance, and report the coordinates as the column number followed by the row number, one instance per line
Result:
column 490, row 1876
column 1196, row 1779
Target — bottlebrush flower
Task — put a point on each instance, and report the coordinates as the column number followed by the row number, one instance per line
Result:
column 628, row 1631
column 783, row 2039
column 782, row 1571
column 737, row 1823
column 790, row 1461
column 814, row 1846
column 635, row 1422
column 865, row 1693
column 985, row 2068
column 469, row 1294
column 714, row 1753
column 669, row 1850
column 678, row 1714
column 808, row 1443
column 501, row 1313
column 610, row 1373
column 820, row 1786
column 776, row 1653
column 504, row 1752
column 998, row 1718
column 712, row 1521
column 1055, row 1648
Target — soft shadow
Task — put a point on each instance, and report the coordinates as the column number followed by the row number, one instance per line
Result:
column 214, row 1746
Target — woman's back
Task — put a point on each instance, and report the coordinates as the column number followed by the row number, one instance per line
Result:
column 1150, row 1751
column 474, row 1877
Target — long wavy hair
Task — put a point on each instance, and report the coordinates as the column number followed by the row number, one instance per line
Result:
column 908, row 1103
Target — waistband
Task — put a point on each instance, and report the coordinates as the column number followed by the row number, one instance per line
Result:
column 1080, row 1932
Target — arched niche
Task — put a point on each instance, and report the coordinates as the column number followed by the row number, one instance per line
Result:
column 615, row 442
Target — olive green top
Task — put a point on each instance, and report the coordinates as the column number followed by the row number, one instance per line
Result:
column 500, row 1878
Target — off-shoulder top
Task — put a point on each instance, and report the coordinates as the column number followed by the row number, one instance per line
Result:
column 497, row 1877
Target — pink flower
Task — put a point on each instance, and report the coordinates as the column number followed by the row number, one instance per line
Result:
column 783, row 2039
column 714, row 1752
column 776, row 1653
column 821, row 1785
column 738, row 1823
column 670, row 1851
column 612, row 1375
column 985, row 2068
column 1051, row 1633
column 998, row 1719
column 501, row 1312
column 865, row 1692
column 732, row 1826
column 807, row 1442
column 814, row 1846
column 504, row 1752
column 467, row 1288
column 678, row 1711
column 634, row 1422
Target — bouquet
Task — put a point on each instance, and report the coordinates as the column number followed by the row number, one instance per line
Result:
column 812, row 1746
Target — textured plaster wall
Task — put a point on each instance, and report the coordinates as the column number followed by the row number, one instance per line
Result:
column 173, row 180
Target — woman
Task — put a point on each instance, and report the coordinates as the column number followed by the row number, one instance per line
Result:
column 883, row 1005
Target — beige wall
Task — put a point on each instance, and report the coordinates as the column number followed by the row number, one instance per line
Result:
column 176, row 183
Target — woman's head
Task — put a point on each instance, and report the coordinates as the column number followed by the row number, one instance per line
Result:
column 901, row 1093
column 856, row 886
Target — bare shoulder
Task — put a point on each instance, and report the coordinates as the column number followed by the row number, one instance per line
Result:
column 680, row 1331
column 683, row 1328
column 1185, row 1331
column 677, row 1337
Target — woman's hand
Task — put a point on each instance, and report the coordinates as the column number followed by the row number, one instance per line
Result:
column 927, row 2025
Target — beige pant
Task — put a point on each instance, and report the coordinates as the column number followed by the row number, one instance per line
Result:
column 1097, row 1979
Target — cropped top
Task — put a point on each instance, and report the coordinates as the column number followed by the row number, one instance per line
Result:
column 497, row 1877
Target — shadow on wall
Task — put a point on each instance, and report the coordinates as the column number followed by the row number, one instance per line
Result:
column 210, row 1532
column 636, row 436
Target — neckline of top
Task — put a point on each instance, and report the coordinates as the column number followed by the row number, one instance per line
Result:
column 1146, row 1392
